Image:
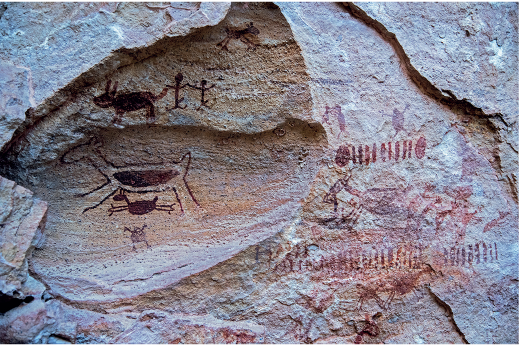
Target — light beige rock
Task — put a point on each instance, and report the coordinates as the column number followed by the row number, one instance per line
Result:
column 157, row 327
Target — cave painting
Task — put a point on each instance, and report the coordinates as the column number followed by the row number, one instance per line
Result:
column 347, row 261
column 157, row 177
column 137, row 236
column 237, row 34
column 469, row 255
column 364, row 154
column 397, row 118
column 451, row 211
column 140, row 207
column 178, row 81
column 393, row 284
column 128, row 102
column 203, row 88
column 337, row 112
column 378, row 201
column 143, row 99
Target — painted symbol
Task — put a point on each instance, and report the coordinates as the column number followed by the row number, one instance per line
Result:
column 137, row 236
column 397, row 118
column 128, row 102
column 366, row 154
column 138, row 207
column 496, row 222
column 157, row 177
column 203, row 87
column 178, row 81
column 337, row 112
column 234, row 34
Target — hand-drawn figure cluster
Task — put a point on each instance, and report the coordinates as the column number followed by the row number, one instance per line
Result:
column 137, row 236
column 178, row 86
column 366, row 155
column 143, row 99
column 337, row 112
column 240, row 34
column 377, row 201
column 397, row 118
column 451, row 212
column 157, row 177
column 128, row 102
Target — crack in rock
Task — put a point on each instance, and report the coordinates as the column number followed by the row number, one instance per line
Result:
column 449, row 312
column 449, row 100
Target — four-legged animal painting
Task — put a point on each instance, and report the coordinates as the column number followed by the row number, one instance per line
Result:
column 128, row 102
column 138, row 179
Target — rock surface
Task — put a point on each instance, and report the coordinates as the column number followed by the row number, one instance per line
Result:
column 249, row 173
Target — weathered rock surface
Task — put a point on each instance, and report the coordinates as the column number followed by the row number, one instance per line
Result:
column 38, row 59
column 308, row 173
column 21, row 229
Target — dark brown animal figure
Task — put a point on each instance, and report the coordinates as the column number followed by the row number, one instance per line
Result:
column 139, row 207
column 157, row 177
column 128, row 102
column 203, row 87
column 137, row 236
column 240, row 35
column 178, row 81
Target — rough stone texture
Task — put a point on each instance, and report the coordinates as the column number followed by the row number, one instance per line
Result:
column 157, row 327
column 39, row 59
column 21, row 229
column 308, row 173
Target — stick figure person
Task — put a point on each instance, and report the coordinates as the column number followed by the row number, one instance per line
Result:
column 137, row 236
column 203, row 88
column 178, row 80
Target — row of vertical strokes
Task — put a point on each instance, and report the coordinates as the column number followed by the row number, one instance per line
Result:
column 456, row 256
column 363, row 154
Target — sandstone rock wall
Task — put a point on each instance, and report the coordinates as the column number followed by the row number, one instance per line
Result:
column 259, row 172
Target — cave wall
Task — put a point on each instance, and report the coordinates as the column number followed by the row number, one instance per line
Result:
column 258, row 172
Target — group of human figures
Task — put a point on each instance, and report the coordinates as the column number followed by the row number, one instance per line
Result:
column 178, row 86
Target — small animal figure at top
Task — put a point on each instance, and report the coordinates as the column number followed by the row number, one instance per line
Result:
column 398, row 118
column 240, row 35
column 128, row 102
